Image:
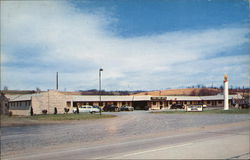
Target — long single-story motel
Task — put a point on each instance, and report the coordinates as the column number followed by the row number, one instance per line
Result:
column 49, row 100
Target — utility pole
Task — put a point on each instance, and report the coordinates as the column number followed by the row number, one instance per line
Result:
column 100, row 88
column 57, row 81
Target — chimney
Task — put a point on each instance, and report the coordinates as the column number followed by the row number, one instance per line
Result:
column 226, row 107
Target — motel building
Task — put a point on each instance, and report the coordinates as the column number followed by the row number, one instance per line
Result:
column 49, row 100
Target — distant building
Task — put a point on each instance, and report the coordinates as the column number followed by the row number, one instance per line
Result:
column 21, row 104
column 4, row 104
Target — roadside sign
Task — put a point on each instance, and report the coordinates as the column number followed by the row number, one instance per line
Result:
column 195, row 108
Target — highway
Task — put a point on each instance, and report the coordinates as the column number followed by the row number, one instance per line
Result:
column 215, row 139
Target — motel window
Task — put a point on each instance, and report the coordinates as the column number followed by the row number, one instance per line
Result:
column 154, row 103
column 220, row 102
column 123, row 103
column 100, row 104
column 91, row 103
column 190, row 102
column 115, row 103
column 208, row 102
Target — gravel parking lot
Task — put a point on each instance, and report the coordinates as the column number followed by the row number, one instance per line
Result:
column 127, row 125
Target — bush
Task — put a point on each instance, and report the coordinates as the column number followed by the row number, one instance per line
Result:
column 31, row 111
column 44, row 111
column 55, row 110
column 66, row 110
column 10, row 113
column 77, row 110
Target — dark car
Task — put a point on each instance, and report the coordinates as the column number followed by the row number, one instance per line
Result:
column 127, row 108
column 177, row 106
column 111, row 108
column 98, row 107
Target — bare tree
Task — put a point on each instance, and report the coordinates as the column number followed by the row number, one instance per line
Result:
column 38, row 90
column 5, row 88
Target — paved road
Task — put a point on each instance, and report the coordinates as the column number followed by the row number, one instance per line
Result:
column 130, row 135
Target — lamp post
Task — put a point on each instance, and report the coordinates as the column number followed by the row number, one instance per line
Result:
column 100, row 87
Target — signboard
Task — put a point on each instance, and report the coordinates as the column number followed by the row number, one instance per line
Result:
column 195, row 108
column 158, row 98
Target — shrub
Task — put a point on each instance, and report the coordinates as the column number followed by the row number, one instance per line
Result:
column 66, row 110
column 44, row 111
column 77, row 110
column 55, row 110
column 10, row 113
column 31, row 111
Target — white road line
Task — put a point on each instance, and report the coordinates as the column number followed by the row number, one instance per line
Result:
column 147, row 151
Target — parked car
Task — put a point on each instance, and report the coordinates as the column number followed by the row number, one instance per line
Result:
column 177, row 106
column 203, row 105
column 127, row 108
column 87, row 109
column 111, row 108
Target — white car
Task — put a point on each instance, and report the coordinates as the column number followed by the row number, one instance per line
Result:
column 87, row 109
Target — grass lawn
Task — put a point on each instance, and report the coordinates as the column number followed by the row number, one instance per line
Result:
column 215, row 111
column 47, row 119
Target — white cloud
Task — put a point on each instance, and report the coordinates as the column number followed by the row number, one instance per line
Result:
column 76, row 44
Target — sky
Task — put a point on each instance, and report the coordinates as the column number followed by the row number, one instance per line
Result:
column 140, row 44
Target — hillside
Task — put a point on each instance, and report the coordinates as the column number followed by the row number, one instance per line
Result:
column 183, row 92
column 169, row 92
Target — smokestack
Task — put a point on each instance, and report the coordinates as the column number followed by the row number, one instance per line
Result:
column 56, row 80
column 226, row 107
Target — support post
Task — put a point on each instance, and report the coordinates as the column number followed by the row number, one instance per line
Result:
column 226, row 107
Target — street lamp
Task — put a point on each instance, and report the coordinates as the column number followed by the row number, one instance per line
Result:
column 100, row 87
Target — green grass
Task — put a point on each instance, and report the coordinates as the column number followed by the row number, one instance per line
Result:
column 215, row 111
column 50, row 118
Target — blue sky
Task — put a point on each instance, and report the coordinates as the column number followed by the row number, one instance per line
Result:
column 141, row 44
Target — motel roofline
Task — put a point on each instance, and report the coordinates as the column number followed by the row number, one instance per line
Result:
column 19, row 97
column 95, row 98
